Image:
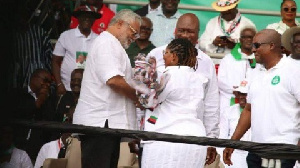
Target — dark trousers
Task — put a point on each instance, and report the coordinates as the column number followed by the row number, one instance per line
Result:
column 100, row 151
column 254, row 161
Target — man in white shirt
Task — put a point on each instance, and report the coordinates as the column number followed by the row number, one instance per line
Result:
column 291, row 41
column 229, row 120
column 72, row 47
column 223, row 32
column 106, row 99
column 235, row 67
column 188, row 27
column 273, row 99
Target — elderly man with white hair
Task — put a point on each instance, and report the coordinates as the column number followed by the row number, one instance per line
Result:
column 106, row 99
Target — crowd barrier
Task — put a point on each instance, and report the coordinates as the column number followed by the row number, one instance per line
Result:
column 265, row 150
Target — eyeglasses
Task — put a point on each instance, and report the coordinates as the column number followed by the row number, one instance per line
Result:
column 135, row 33
column 290, row 9
column 257, row 45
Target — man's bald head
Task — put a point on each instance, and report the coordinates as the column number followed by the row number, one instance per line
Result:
column 188, row 27
column 270, row 36
column 267, row 47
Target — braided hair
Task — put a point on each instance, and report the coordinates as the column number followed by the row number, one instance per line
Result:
column 185, row 51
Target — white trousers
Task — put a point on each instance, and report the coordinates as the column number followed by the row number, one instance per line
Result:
column 160, row 154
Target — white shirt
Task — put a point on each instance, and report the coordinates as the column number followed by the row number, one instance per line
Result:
column 180, row 109
column 228, row 122
column 280, row 27
column 98, row 102
column 231, row 72
column 213, row 30
column 48, row 150
column 211, row 100
column 274, row 96
column 19, row 159
column 163, row 27
column 70, row 42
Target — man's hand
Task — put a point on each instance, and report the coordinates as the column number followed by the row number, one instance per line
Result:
column 133, row 146
column 219, row 42
column 227, row 156
column 211, row 155
column 42, row 95
column 61, row 89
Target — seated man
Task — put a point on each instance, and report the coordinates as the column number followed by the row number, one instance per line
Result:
column 57, row 148
column 10, row 156
column 70, row 99
column 37, row 102
column 223, row 32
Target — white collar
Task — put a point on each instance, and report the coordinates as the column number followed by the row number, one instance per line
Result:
column 79, row 34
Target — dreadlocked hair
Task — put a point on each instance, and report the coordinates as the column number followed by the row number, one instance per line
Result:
column 185, row 51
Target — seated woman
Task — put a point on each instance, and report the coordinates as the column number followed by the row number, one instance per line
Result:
column 179, row 111
column 288, row 14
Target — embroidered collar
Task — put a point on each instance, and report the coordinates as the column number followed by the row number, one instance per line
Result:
column 235, row 23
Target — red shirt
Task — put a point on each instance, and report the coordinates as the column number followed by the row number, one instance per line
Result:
column 99, row 25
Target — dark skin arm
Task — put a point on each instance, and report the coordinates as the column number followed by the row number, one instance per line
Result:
column 56, row 65
column 42, row 95
column 211, row 155
column 228, row 42
column 242, row 127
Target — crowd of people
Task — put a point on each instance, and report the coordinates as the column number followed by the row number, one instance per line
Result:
column 92, row 81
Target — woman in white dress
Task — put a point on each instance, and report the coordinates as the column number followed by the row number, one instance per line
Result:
column 180, row 111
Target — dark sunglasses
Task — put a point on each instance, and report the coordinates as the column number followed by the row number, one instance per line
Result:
column 257, row 45
column 290, row 9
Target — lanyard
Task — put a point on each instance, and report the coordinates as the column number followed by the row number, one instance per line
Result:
column 232, row 26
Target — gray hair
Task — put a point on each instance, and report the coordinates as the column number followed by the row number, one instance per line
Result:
column 252, row 28
column 126, row 15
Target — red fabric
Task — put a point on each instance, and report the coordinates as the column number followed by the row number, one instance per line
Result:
column 217, row 68
column 99, row 25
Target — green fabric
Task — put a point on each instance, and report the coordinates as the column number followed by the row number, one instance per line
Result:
column 235, row 52
column 261, row 21
column 134, row 49
column 252, row 63
column 232, row 101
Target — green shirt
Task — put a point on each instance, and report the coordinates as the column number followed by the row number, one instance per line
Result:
column 134, row 49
